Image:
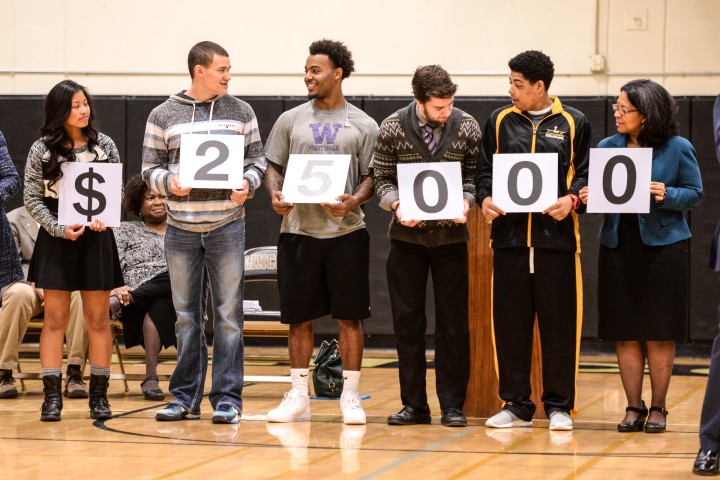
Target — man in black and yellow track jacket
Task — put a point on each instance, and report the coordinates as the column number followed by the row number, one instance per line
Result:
column 536, row 255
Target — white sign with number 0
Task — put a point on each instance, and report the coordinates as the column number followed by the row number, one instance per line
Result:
column 90, row 190
column 315, row 178
column 430, row 191
column 211, row 160
column 525, row 182
column 619, row 180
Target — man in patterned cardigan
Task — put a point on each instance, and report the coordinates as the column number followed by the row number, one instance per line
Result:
column 430, row 129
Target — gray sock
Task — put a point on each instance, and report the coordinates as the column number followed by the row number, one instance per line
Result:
column 46, row 372
column 104, row 371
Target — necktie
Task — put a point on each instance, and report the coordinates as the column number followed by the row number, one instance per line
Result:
column 429, row 138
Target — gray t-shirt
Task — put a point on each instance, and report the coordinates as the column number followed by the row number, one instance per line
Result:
column 309, row 130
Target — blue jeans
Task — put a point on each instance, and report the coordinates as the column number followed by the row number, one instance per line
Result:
column 189, row 255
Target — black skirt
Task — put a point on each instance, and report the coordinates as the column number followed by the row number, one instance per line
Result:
column 89, row 263
column 152, row 298
column 642, row 290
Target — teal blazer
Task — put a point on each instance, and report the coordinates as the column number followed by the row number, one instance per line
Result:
column 674, row 164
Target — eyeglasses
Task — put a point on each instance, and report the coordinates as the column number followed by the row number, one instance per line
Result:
column 623, row 111
column 152, row 198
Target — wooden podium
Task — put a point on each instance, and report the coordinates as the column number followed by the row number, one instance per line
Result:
column 482, row 394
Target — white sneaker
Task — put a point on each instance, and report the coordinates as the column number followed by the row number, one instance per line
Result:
column 560, row 420
column 352, row 410
column 506, row 419
column 295, row 407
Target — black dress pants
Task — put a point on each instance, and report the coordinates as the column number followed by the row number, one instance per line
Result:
column 408, row 265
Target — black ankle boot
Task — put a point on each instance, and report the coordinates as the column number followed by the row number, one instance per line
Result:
column 53, row 404
column 99, row 406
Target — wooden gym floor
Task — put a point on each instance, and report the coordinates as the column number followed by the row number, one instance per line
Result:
column 133, row 445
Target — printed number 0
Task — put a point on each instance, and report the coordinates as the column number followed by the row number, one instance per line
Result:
column 631, row 179
column 513, row 183
column 204, row 172
column 442, row 191
column 308, row 174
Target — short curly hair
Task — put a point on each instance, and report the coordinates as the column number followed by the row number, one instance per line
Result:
column 534, row 65
column 338, row 53
column 432, row 81
column 135, row 190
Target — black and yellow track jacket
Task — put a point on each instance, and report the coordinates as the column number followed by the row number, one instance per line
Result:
column 565, row 131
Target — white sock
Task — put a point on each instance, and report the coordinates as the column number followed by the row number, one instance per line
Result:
column 299, row 377
column 352, row 381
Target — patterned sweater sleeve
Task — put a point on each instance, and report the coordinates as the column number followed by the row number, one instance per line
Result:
column 35, row 191
column 155, row 156
column 470, row 132
column 385, row 163
column 255, row 164
column 9, row 178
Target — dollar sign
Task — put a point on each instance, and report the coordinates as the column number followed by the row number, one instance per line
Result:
column 90, row 175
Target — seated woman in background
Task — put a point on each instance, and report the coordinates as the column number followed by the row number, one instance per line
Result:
column 145, row 301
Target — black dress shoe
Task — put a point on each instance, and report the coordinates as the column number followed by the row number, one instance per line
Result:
column 656, row 427
column 154, row 394
column 410, row 416
column 706, row 463
column 453, row 417
column 636, row 425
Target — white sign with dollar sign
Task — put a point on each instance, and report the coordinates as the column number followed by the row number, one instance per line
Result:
column 89, row 191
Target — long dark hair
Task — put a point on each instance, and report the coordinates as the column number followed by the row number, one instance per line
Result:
column 58, row 105
column 660, row 110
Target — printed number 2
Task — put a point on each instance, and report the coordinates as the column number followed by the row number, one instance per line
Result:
column 204, row 172
column 308, row 174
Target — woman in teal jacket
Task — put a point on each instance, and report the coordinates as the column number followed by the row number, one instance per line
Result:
column 643, row 266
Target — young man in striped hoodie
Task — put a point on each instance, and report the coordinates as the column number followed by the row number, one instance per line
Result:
column 205, row 234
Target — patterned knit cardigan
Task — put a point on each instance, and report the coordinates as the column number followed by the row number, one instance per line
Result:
column 400, row 141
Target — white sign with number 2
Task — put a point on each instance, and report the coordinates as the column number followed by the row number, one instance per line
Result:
column 211, row 160
column 315, row 178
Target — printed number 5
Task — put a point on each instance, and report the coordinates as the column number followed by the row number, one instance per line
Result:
column 204, row 172
column 309, row 174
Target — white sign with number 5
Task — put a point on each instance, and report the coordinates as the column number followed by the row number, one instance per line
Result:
column 211, row 160
column 430, row 191
column 315, row 178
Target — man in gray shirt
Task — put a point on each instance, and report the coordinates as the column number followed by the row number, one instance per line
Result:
column 323, row 250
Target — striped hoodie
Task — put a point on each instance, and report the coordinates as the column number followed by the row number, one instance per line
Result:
column 203, row 210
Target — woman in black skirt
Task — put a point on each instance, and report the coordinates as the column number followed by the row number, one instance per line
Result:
column 148, row 315
column 643, row 270
column 70, row 257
